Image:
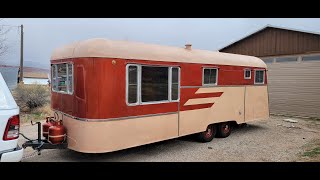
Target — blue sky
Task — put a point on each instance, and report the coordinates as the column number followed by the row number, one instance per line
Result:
column 42, row 35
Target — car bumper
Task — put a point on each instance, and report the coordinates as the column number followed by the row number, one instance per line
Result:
column 12, row 156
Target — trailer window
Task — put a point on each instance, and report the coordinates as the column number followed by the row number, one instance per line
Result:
column 174, row 83
column 62, row 78
column 247, row 74
column 210, row 76
column 54, row 78
column 154, row 84
column 133, row 84
column 259, row 77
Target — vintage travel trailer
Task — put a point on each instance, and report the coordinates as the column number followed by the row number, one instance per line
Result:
column 112, row 95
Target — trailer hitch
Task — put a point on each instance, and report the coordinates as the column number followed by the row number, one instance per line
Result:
column 40, row 144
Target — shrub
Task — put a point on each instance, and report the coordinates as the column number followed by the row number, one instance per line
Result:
column 31, row 96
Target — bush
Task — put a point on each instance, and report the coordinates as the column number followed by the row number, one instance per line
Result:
column 31, row 96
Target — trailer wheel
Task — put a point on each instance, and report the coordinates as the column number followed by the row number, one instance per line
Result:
column 209, row 134
column 223, row 129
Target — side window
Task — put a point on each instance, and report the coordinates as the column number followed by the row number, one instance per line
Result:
column 210, row 76
column 175, row 83
column 62, row 78
column 259, row 77
column 132, row 84
column 152, row 84
column 70, row 78
column 247, row 74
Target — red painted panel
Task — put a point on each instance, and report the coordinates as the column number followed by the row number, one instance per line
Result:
column 100, row 88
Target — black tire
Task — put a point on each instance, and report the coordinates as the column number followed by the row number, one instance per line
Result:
column 224, row 129
column 209, row 134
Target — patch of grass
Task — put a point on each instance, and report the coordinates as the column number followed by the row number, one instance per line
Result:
column 312, row 153
column 36, row 114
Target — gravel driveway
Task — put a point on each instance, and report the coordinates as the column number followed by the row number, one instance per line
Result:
column 270, row 140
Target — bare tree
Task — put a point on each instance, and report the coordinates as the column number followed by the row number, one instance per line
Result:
column 3, row 45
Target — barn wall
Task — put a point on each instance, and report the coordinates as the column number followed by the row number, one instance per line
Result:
column 273, row 41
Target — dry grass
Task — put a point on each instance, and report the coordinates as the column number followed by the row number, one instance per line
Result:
column 36, row 114
column 311, row 152
column 30, row 97
column 34, row 102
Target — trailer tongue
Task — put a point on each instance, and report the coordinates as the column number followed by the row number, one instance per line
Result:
column 54, row 134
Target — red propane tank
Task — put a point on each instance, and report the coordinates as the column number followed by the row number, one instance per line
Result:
column 57, row 133
column 46, row 126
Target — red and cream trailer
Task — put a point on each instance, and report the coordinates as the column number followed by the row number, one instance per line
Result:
column 113, row 95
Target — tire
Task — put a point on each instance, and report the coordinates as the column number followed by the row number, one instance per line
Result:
column 224, row 129
column 209, row 134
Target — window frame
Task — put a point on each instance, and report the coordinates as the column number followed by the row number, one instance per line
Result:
column 170, row 81
column 139, row 80
column 127, row 85
column 67, row 74
column 247, row 69
column 217, row 74
column 255, row 74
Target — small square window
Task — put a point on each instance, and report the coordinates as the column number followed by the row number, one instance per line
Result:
column 210, row 76
column 247, row 74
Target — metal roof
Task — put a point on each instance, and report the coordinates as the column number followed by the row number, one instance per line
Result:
column 269, row 26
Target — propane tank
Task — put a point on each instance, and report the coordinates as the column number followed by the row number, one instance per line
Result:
column 57, row 133
column 45, row 126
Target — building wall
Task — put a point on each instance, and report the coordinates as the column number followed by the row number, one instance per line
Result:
column 38, row 81
column 273, row 41
column 294, row 87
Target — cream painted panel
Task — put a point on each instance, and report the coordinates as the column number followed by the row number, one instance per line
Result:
column 200, row 101
column 107, row 136
column 257, row 105
column 228, row 107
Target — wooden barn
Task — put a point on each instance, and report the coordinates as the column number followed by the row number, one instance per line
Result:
column 293, row 60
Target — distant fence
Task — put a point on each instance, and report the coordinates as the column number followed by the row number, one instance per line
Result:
column 10, row 75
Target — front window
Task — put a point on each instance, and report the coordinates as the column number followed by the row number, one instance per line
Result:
column 62, row 78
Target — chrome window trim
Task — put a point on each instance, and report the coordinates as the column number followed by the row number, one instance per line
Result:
column 127, row 85
column 139, row 74
column 67, row 74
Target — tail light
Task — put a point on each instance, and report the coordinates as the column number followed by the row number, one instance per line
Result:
column 12, row 128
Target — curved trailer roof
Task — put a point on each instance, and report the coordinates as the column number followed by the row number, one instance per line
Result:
column 141, row 51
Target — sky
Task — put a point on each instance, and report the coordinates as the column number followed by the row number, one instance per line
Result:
column 43, row 35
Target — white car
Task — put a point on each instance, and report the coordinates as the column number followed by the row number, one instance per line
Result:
column 9, row 126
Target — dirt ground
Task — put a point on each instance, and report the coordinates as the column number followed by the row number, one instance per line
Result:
column 271, row 140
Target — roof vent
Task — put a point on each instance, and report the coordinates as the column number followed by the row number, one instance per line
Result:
column 188, row 46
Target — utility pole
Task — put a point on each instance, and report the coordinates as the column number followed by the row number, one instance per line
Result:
column 21, row 57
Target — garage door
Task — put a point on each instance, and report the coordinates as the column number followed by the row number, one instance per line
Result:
column 294, row 87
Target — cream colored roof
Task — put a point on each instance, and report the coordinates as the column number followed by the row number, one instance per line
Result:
column 141, row 51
